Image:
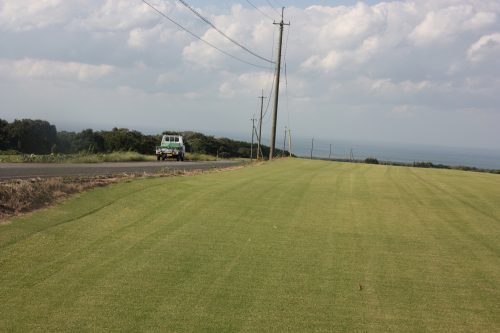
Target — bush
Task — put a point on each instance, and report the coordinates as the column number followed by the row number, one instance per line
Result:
column 371, row 160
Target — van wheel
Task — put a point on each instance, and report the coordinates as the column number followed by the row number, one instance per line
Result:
column 158, row 157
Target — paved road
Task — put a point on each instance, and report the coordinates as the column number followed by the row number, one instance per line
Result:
column 44, row 170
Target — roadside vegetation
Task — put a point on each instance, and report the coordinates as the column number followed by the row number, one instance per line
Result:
column 293, row 245
column 25, row 139
column 77, row 158
column 22, row 196
column 95, row 158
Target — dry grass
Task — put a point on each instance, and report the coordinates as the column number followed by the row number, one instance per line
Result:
column 21, row 196
column 25, row 195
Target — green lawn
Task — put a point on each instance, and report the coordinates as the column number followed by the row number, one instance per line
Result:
column 282, row 246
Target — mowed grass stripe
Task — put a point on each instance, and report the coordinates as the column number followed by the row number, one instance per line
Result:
column 284, row 246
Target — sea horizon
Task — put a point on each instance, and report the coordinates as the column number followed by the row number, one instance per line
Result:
column 485, row 158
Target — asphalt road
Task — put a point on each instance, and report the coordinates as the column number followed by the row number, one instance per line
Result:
column 45, row 170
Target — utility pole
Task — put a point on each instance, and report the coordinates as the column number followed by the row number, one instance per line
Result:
column 259, row 150
column 253, row 131
column 284, row 144
column 289, row 143
column 330, row 156
column 277, row 86
column 351, row 156
column 312, row 148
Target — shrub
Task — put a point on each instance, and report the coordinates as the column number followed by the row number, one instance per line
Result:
column 371, row 160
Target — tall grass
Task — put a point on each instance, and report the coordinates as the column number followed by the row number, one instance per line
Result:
column 128, row 156
column 200, row 157
column 18, row 196
column 77, row 158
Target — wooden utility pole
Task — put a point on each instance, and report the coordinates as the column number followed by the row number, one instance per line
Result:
column 330, row 156
column 259, row 149
column 312, row 148
column 289, row 143
column 253, row 131
column 277, row 86
column 284, row 144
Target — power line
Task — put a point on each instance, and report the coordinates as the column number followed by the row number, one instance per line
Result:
column 274, row 77
column 270, row 4
column 286, row 77
column 207, row 21
column 286, row 43
column 259, row 150
column 201, row 39
column 271, row 80
column 269, row 99
column 260, row 11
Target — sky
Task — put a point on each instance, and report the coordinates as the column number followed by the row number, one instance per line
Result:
column 421, row 72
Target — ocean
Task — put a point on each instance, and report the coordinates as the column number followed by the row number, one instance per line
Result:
column 404, row 153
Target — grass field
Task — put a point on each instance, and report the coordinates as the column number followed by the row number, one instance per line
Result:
column 282, row 246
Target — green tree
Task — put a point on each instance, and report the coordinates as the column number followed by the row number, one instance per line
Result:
column 32, row 136
column 4, row 135
column 88, row 141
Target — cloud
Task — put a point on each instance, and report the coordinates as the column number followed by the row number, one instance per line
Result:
column 140, row 38
column 239, row 25
column 402, row 111
column 447, row 23
column 487, row 47
column 40, row 69
column 403, row 56
column 166, row 78
column 388, row 87
column 329, row 62
column 25, row 15
column 245, row 84
column 122, row 15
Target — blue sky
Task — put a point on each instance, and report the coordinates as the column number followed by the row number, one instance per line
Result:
column 423, row 72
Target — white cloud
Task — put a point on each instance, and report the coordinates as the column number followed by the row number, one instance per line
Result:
column 246, row 84
column 447, row 23
column 192, row 95
column 388, row 87
column 327, row 63
column 487, row 46
column 165, row 78
column 393, row 55
column 53, row 70
column 119, row 15
column 140, row 38
column 242, row 25
column 24, row 15
column 402, row 111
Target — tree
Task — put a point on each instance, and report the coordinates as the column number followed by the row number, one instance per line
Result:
column 122, row 139
column 65, row 142
column 4, row 135
column 32, row 136
column 88, row 141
